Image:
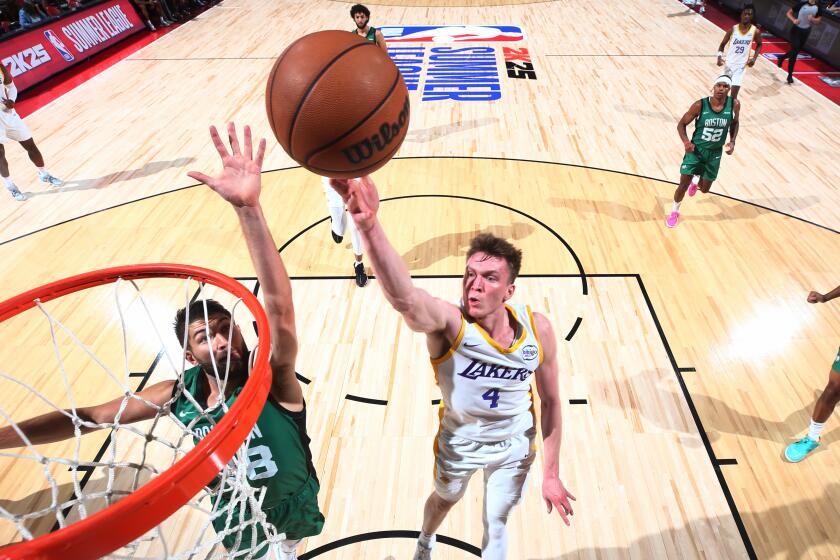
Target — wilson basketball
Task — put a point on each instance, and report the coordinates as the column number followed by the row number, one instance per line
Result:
column 337, row 104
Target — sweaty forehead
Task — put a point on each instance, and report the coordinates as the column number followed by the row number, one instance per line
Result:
column 483, row 262
column 197, row 325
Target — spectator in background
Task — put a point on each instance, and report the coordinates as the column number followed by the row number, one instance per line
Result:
column 30, row 14
column 7, row 16
column 144, row 6
column 73, row 4
column 834, row 8
column 50, row 8
column 700, row 4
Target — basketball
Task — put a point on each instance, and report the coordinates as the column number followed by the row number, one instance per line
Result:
column 337, row 104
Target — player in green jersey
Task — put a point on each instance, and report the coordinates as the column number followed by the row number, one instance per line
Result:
column 361, row 16
column 279, row 457
column 713, row 117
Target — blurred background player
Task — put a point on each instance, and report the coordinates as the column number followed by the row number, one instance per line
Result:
column 361, row 15
column 740, row 39
column 12, row 127
column 797, row 451
column 713, row 117
column 339, row 223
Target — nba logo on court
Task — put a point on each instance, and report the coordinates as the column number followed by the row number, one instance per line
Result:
column 452, row 33
column 59, row 46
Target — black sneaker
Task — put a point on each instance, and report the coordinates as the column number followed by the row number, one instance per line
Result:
column 337, row 238
column 361, row 276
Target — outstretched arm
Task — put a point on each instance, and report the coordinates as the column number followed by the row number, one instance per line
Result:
column 239, row 184
column 551, row 423
column 816, row 297
column 422, row 312
column 58, row 425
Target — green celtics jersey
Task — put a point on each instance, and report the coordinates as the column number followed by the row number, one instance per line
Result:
column 371, row 34
column 278, row 453
column 710, row 128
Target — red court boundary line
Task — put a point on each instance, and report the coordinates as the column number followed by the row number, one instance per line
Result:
column 808, row 71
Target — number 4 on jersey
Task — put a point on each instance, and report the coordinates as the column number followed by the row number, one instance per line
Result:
column 491, row 395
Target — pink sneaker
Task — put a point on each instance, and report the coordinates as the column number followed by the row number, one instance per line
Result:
column 671, row 221
column 692, row 189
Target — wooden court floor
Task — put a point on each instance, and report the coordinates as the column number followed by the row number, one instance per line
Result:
column 694, row 350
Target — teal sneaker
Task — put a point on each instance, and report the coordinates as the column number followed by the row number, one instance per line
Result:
column 795, row 452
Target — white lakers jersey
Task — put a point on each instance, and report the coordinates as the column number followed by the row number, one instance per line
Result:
column 486, row 389
column 739, row 46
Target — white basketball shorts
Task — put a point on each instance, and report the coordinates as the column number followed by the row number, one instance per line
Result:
column 505, row 465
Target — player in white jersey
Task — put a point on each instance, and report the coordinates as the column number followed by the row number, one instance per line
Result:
column 738, row 56
column 12, row 127
column 484, row 354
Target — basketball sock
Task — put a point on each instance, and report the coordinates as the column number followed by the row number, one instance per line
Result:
column 695, row 180
column 814, row 430
column 676, row 207
column 8, row 182
column 426, row 540
column 42, row 172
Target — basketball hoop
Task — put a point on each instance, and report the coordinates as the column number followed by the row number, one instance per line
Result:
column 139, row 512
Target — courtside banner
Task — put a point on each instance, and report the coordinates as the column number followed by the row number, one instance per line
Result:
column 41, row 52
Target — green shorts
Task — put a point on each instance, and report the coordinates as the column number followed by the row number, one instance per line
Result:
column 297, row 516
column 836, row 365
column 705, row 163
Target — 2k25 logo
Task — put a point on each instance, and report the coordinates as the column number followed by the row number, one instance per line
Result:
column 27, row 59
column 518, row 64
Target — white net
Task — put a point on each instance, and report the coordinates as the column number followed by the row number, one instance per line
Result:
column 100, row 344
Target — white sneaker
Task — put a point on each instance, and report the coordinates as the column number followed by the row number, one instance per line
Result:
column 702, row 10
column 16, row 194
column 53, row 181
column 423, row 552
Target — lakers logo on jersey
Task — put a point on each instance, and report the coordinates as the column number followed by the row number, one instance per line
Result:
column 477, row 369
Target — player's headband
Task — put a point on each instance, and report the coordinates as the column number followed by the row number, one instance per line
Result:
column 724, row 80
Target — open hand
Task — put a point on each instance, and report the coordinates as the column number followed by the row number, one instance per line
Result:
column 239, row 181
column 557, row 497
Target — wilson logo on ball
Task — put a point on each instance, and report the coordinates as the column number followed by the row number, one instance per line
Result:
column 368, row 147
